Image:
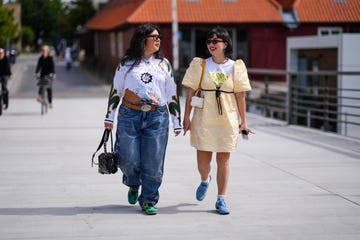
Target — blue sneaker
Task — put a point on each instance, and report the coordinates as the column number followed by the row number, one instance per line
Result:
column 221, row 207
column 202, row 189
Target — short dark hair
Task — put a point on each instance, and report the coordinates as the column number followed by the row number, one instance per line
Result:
column 225, row 36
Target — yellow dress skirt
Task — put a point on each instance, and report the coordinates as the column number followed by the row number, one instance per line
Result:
column 211, row 131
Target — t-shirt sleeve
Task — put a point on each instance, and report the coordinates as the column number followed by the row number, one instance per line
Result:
column 115, row 94
column 192, row 75
column 241, row 79
column 172, row 96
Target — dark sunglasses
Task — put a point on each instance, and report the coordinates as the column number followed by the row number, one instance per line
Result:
column 213, row 41
column 155, row 37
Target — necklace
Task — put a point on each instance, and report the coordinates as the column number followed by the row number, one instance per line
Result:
column 226, row 59
column 146, row 60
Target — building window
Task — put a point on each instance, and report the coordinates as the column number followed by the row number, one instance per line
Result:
column 328, row 31
column 231, row 1
column 290, row 19
column 120, row 44
column 112, row 44
column 241, row 50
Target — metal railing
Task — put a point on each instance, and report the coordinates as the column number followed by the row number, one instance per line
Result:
column 315, row 99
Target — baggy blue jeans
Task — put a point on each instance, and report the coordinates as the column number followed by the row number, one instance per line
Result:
column 141, row 141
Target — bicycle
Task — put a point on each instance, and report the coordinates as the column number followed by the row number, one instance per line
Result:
column 43, row 83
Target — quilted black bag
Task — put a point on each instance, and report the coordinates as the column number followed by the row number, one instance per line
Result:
column 107, row 160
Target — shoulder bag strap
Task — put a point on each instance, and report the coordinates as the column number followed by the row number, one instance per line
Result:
column 197, row 92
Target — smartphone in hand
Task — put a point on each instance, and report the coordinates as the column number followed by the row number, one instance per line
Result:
column 245, row 134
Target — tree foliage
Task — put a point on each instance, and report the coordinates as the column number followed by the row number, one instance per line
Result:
column 7, row 26
column 74, row 17
column 27, row 36
column 53, row 20
column 41, row 15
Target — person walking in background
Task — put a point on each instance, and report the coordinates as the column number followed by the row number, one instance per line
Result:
column 68, row 59
column 5, row 74
column 46, row 67
column 145, row 84
column 215, row 127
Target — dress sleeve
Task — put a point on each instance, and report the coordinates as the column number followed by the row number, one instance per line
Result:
column 172, row 97
column 241, row 79
column 192, row 75
column 116, row 91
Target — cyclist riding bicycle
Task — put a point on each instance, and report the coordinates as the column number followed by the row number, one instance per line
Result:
column 5, row 74
column 46, row 68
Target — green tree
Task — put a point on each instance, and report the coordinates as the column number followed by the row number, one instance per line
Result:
column 7, row 26
column 27, row 36
column 42, row 16
column 81, row 11
column 75, row 15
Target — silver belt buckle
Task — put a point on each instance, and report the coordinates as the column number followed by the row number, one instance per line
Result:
column 145, row 107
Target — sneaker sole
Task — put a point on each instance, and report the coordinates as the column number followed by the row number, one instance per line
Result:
column 149, row 213
column 222, row 213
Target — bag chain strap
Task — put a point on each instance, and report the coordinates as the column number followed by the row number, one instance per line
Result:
column 103, row 142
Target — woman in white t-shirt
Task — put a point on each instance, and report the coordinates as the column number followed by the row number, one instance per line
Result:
column 145, row 85
column 215, row 127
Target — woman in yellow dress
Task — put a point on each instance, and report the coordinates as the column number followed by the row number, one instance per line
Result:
column 215, row 127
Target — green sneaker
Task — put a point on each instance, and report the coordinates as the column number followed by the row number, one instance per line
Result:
column 149, row 209
column 132, row 196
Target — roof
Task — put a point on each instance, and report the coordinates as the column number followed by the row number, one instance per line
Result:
column 209, row 11
column 120, row 12
column 285, row 4
column 113, row 15
column 330, row 11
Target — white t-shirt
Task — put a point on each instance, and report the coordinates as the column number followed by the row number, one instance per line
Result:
column 152, row 80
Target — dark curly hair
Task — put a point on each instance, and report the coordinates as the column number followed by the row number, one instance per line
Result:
column 223, row 34
column 137, row 44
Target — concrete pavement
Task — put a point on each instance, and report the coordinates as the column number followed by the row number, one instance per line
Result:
column 286, row 182
column 74, row 83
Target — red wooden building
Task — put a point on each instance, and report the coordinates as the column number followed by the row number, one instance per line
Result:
column 259, row 28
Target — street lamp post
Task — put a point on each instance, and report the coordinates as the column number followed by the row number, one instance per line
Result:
column 175, row 40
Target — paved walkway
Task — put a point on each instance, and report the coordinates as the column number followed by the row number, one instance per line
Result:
column 286, row 183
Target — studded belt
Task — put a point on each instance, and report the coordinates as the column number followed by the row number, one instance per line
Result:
column 140, row 106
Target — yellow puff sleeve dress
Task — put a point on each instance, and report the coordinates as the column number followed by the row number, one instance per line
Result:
column 210, row 130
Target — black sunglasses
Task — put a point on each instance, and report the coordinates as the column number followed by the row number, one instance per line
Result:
column 213, row 41
column 155, row 37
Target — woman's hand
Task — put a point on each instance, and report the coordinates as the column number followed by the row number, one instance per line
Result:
column 187, row 125
column 244, row 126
column 108, row 125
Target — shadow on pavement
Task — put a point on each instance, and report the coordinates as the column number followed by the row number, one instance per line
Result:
column 105, row 209
column 20, row 114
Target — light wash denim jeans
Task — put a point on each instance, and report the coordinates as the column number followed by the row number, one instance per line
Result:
column 141, row 140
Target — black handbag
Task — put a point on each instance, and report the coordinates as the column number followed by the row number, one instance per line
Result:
column 107, row 160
